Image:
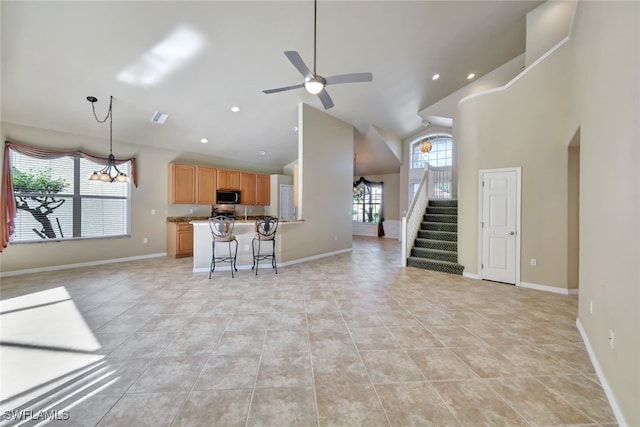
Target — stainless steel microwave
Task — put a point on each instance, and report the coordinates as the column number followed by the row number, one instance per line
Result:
column 228, row 197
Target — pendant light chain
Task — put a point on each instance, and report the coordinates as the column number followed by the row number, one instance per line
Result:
column 110, row 173
column 108, row 116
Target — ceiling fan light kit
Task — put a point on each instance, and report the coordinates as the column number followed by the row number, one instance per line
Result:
column 314, row 83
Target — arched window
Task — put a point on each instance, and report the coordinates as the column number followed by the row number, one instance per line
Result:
column 439, row 155
column 436, row 152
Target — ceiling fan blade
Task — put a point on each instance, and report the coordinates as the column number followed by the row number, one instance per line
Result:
column 282, row 89
column 297, row 62
column 327, row 102
column 349, row 78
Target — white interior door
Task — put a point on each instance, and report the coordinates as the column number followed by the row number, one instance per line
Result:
column 287, row 210
column 500, row 195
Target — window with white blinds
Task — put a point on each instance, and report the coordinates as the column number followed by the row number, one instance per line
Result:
column 56, row 200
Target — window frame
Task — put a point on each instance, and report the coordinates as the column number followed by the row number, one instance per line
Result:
column 371, row 187
column 73, row 192
column 434, row 139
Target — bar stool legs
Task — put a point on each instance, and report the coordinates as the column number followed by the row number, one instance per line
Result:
column 265, row 231
column 231, row 259
column 257, row 257
column 222, row 232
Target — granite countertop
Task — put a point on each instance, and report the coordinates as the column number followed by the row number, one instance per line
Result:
column 239, row 218
column 249, row 221
column 186, row 218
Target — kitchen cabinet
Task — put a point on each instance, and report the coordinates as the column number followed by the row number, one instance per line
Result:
column 206, row 186
column 197, row 185
column 228, row 180
column 247, row 188
column 179, row 239
column 263, row 190
column 182, row 184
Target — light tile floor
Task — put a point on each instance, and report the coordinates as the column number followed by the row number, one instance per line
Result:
column 350, row 340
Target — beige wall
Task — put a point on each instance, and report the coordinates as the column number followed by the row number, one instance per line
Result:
column 606, row 66
column 573, row 213
column 524, row 126
column 325, row 150
column 547, row 25
column 151, row 193
column 573, row 115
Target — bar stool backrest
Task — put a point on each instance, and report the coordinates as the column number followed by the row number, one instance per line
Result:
column 221, row 227
column 266, row 226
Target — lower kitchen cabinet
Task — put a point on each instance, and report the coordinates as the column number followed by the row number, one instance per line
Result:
column 179, row 239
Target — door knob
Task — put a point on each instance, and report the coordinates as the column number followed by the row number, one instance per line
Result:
column 511, row 233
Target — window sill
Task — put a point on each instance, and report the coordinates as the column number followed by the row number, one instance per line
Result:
column 74, row 239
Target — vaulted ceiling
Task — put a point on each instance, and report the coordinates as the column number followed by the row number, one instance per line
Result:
column 195, row 60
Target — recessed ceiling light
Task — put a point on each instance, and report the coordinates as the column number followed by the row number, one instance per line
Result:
column 470, row 76
column 435, row 77
column 235, row 109
column 262, row 152
column 204, row 140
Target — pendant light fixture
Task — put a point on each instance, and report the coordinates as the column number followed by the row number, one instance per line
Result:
column 110, row 173
column 426, row 146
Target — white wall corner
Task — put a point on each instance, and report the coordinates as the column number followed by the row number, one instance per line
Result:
column 393, row 142
column 603, row 380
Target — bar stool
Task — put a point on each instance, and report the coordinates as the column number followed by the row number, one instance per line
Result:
column 222, row 232
column 265, row 231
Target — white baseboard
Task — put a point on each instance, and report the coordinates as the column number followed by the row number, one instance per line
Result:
column 267, row 265
column 80, row 264
column 471, row 275
column 547, row 288
column 603, row 380
column 391, row 229
column 365, row 229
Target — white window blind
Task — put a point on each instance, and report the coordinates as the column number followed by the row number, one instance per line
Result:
column 61, row 203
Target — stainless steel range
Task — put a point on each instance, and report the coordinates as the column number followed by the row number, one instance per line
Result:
column 225, row 210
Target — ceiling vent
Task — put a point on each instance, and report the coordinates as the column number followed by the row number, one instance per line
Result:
column 159, row 117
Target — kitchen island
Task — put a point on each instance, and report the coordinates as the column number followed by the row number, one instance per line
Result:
column 244, row 232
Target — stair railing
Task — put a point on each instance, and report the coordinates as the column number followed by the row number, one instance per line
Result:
column 412, row 220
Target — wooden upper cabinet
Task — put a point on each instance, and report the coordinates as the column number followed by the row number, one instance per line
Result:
column 182, row 184
column 228, row 180
column 206, row 186
column 263, row 190
column 247, row 188
column 197, row 185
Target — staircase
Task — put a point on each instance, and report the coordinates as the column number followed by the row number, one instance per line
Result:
column 436, row 247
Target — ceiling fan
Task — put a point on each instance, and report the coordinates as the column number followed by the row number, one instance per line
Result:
column 314, row 83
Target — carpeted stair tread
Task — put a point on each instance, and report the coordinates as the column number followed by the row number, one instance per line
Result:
column 449, row 236
column 436, row 245
column 440, row 218
column 442, row 210
column 443, row 202
column 434, row 265
column 439, row 226
column 442, row 245
column 435, row 254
